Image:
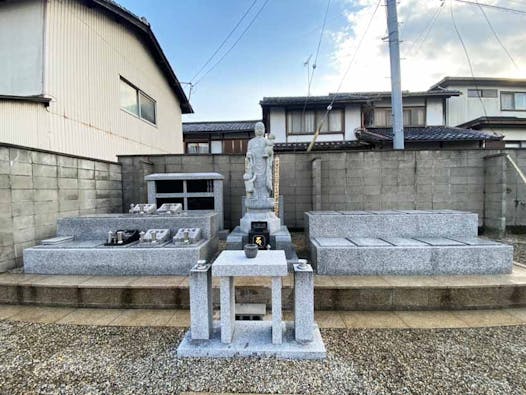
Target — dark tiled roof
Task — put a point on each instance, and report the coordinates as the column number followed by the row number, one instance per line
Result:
column 347, row 97
column 477, row 81
column 142, row 27
column 320, row 146
column 427, row 134
column 221, row 127
column 482, row 122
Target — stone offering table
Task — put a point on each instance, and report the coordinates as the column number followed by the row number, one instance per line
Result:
column 232, row 264
column 300, row 339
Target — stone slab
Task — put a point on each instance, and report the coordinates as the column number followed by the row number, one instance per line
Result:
column 201, row 302
column 368, row 242
column 404, row 242
column 184, row 176
column 253, row 339
column 413, row 261
column 475, row 241
column 389, row 224
column 439, row 241
column 116, row 261
column 57, row 240
column 234, row 263
column 334, row 242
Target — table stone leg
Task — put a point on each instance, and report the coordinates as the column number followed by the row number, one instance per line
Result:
column 201, row 302
column 228, row 306
column 303, row 303
column 277, row 328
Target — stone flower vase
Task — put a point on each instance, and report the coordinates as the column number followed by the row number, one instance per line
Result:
column 251, row 250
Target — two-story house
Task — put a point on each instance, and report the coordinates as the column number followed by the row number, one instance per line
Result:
column 88, row 78
column 493, row 105
column 365, row 117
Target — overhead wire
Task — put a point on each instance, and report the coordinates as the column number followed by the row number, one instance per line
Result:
column 497, row 37
column 234, row 44
column 459, row 35
column 425, row 33
column 514, row 10
column 344, row 76
column 224, row 41
column 315, row 64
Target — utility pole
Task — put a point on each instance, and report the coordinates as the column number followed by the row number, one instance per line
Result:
column 396, row 86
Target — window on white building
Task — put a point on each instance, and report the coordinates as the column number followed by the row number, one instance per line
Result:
column 306, row 122
column 413, row 116
column 513, row 101
column 138, row 103
column 485, row 93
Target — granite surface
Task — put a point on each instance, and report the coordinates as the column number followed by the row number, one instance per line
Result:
column 413, row 260
column 96, row 227
column 277, row 316
column 303, row 304
column 184, row 176
column 84, row 258
column 201, row 302
column 380, row 224
column 254, row 339
column 228, row 309
column 234, row 263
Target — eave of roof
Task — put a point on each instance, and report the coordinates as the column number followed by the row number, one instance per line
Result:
column 427, row 134
column 143, row 27
column 482, row 122
column 350, row 97
column 219, row 126
column 477, row 81
column 321, row 146
column 31, row 99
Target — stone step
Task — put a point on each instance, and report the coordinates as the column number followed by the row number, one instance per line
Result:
column 395, row 223
column 363, row 256
column 330, row 292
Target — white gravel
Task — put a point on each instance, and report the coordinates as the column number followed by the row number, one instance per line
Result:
column 40, row 358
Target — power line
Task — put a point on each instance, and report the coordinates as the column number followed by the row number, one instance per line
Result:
column 234, row 44
column 224, row 41
column 425, row 33
column 514, row 10
column 344, row 76
column 315, row 64
column 468, row 59
column 497, row 37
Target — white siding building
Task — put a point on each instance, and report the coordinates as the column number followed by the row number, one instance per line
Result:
column 494, row 105
column 86, row 78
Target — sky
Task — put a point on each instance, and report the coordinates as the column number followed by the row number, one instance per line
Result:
column 269, row 59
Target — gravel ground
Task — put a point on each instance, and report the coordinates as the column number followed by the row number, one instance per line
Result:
column 49, row 358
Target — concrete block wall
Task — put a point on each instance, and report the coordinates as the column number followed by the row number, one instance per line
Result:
column 37, row 188
column 495, row 193
column 515, row 190
column 352, row 180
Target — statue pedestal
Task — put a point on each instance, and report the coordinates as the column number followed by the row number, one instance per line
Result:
column 273, row 222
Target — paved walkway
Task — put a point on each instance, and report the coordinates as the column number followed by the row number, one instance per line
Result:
column 325, row 319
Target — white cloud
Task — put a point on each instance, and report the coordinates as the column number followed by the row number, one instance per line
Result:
column 440, row 55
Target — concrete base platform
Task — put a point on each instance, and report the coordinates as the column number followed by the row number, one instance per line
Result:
column 410, row 257
column 253, row 339
column 93, row 258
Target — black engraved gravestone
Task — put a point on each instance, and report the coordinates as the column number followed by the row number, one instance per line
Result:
column 259, row 235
